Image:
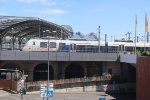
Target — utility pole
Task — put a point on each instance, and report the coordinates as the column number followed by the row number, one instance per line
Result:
column 99, row 39
column 111, row 38
column 126, row 36
column 129, row 35
column 39, row 28
column 105, row 43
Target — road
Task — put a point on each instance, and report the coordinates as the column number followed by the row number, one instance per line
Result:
column 63, row 96
column 69, row 96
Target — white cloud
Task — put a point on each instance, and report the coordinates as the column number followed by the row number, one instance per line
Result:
column 45, row 2
column 47, row 11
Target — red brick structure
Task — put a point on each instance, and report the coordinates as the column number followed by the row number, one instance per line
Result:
column 143, row 78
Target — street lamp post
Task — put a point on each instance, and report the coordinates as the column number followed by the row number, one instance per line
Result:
column 0, row 42
column 12, row 32
column 48, row 67
column 47, row 63
column 48, row 60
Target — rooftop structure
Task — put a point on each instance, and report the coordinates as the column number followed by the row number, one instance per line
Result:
column 23, row 26
column 29, row 27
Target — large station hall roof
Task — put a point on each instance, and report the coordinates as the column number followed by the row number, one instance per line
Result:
column 29, row 26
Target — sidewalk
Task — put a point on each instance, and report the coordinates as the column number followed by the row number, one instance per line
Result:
column 3, row 93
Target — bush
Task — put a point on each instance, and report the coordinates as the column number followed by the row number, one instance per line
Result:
column 138, row 52
column 146, row 53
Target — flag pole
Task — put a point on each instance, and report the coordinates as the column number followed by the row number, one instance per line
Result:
column 136, row 29
column 144, row 41
column 146, row 29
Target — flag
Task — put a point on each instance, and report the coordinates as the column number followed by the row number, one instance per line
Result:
column 136, row 24
column 146, row 23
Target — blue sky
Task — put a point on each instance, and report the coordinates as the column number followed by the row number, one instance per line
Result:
column 116, row 17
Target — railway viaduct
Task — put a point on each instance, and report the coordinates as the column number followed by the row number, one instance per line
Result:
column 67, row 64
column 17, row 30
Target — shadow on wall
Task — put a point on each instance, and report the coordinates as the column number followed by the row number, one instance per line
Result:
column 120, row 88
column 91, row 84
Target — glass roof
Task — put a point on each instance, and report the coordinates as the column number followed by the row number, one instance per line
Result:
column 23, row 26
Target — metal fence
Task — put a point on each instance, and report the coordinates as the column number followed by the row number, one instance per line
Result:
column 35, row 86
column 8, row 85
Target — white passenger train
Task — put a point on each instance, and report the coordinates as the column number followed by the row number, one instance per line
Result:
column 78, row 45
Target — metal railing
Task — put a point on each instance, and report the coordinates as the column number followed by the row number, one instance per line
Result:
column 34, row 86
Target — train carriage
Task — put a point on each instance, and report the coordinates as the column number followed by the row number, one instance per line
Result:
column 77, row 45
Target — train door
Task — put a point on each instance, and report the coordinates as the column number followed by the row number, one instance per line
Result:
column 73, row 47
column 62, row 47
column 121, row 48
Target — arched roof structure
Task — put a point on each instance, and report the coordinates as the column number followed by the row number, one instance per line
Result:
column 29, row 27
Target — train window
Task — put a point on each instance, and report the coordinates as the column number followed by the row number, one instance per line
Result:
column 43, row 44
column 72, row 46
column 121, row 47
column 52, row 44
column 33, row 43
column 62, row 46
column 148, row 48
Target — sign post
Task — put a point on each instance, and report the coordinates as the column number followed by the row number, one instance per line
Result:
column 43, row 90
column 102, row 99
column 47, row 91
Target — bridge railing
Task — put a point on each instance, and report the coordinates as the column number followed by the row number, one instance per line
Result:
column 72, row 80
column 35, row 86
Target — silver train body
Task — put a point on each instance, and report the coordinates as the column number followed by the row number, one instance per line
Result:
column 40, row 44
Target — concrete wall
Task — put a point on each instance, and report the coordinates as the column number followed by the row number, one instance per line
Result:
column 90, row 68
column 114, row 66
column 57, row 56
column 128, row 58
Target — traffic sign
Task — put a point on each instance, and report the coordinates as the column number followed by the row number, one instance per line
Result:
column 102, row 99
column 47, row 92
column 43, row 94
column 50, row 92
column 43, row 90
